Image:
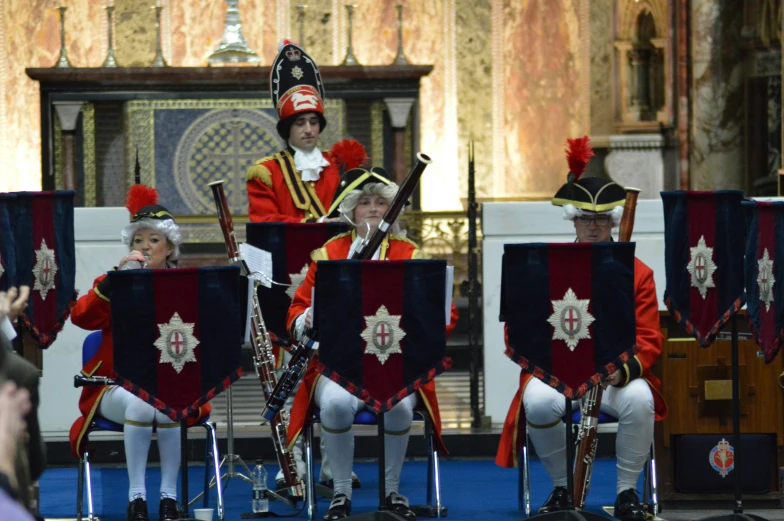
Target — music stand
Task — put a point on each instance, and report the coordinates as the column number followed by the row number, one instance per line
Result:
column 403, row 293
column 161, row 317
column 566, row 331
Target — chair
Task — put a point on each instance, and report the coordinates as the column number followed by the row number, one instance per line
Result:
column 607, row 424
column 89, row 348
column 365, row 417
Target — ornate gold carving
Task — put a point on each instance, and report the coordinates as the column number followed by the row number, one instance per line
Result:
column 88, row 154
column 58, row 153
column 377, row 132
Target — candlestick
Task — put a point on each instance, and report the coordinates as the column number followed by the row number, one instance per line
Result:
column 300, row 18
column 400, row 59
column 350, row 59
column 63, row 62
column 159, row 60
column 111, row 60
column 233, row 49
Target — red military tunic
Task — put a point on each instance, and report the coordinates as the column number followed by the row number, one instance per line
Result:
column 92, row 312
column 649, row 339
column 277, row 193
column 393, row 248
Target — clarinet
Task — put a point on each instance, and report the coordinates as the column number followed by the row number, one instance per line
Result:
column 587, row 439
column 307, row 345
column 262, row 349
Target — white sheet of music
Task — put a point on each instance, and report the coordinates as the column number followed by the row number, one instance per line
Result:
column 450, row 278
column 259, row 262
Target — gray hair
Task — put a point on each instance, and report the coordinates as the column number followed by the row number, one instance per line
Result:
column 570, row 212
column 166, row 227
column 349, row 203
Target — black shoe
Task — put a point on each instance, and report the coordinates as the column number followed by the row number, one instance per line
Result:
column 399, row 505
column 137, row 510
column 556, row 501
column 339, row 508
column 355, row 483
column 168, row 510
column 628, row 507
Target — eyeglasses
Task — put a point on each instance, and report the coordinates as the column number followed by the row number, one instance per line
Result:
column 598, row 220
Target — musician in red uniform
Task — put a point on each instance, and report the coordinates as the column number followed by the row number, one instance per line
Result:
column 595, row 206
column 152, row 234
column 363, row 203
column 297, row 184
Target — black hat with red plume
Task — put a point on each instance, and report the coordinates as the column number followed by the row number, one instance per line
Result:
column 590, row 194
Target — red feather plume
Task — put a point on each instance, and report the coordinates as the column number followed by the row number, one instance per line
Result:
column 140, row 196
column 348, row 152
column 580, row 151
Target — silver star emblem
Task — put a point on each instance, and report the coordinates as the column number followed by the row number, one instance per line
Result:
column 296, row 280
column 701, row 267
column 297, row 72
column 765, row 279
column 383, row 334
column 176, row 342
column 2, row 268
column 44, row 270
column 570, row 319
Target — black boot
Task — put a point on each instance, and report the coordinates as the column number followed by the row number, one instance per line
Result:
column 628, row 507
column 339, row 508
column 399, row 505
column 137, row 510
column 556, row 501
column 168, row 510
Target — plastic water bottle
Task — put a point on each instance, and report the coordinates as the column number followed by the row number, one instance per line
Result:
column 135, row 265
column 260, row 501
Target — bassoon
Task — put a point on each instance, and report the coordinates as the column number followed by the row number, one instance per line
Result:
column 587, row 439
column 306, row 347
column 262, row 348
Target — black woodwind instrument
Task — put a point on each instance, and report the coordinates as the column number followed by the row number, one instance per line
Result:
column 261, row 342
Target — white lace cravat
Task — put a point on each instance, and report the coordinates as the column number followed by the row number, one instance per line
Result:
column 309, row 163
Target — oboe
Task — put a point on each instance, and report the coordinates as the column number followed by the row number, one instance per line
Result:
column 262, row 349
column 587, row 439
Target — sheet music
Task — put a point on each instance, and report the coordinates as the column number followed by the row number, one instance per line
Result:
column 258, row 261
column 249, row 311
column 450, row 280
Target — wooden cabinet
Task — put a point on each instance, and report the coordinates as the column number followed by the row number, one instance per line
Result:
column 696, row 383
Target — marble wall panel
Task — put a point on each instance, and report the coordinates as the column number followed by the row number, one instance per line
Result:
column 542, row 94
column 319, row 27
column 31, row 38
column 601, row 17
column 135, row 32
column 717, row 87
column 474, row 87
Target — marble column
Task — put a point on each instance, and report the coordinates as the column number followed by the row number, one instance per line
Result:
column 717, row 95
column 68, row 114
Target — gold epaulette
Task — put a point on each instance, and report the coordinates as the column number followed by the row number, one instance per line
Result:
column 321, row 253
column 261, row 172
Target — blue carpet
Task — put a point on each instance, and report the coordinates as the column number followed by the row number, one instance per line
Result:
column 472, row 490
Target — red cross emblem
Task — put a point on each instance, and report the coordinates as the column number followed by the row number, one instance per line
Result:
column 572, row 320
column 177, row 342
column 46, row 272
column 383, row 335
column 699, row 265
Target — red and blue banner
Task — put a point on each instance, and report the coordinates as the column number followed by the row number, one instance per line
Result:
column 290, row 245
column 45, row 260
column 7, row 242
column 765, row 274
column 569, row 311
column 704, row 241
column 177, row 335
column 381, row 326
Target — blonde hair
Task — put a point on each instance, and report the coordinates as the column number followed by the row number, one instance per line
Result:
column 350, row 201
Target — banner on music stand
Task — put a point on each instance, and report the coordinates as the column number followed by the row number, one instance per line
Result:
column 569, row 311
column 764, row 274
column 290, row 245
column 45, row 260
column 7, row 242
column 381, row 326
column 704, row 241
column 177, row 335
